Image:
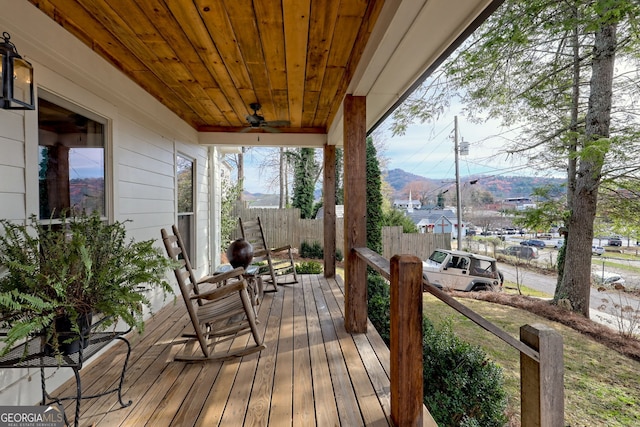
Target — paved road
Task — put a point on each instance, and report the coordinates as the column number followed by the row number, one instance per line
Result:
column 608, row 315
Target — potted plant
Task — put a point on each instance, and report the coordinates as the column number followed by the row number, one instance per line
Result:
column 63, row 273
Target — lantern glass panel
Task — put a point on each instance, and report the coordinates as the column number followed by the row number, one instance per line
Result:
column 2, row 59
column 22, row 78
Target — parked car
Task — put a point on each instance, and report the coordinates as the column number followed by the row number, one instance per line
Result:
column 533, row 242
column 524, row 252
column 461, row 271
column 607, row 279
column 615, row 241
column 597, row 250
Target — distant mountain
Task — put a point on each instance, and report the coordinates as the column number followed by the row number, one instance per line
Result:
column 398, row 178
column 261, row 199
column 518, row 186
column 500, row 186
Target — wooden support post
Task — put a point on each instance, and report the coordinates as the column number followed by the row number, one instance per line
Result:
column 406, row 341
column 355, row 213
column 329, row 218
column 542, row 383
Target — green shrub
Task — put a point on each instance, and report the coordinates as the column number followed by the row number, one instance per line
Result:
column 395, row 217
column 309, row 267
column 378, row 300
column 311, row 250
column 316, row 251
column 461, row 386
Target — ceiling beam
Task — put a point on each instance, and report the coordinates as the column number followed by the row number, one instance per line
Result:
column 260, row 139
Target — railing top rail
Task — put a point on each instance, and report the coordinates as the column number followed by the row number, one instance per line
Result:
column 382, row 266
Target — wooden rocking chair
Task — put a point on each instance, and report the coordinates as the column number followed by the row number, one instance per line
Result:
column 276, row 269
column 219, row 306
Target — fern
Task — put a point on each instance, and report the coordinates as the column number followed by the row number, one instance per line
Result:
column 78, row 267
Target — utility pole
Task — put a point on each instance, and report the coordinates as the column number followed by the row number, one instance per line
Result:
column 458, row 192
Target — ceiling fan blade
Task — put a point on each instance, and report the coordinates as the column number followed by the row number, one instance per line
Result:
column 246, row 129
column 278, row 123
column 270, row 129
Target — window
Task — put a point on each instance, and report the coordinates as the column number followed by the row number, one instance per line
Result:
column 186, row 218
column 71, row 160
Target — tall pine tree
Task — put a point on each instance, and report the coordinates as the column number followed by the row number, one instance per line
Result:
column 374, row 199
column 305, row 172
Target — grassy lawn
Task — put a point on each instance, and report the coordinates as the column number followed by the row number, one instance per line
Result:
column 512, row 288
column 615, row 265
column 602, row 388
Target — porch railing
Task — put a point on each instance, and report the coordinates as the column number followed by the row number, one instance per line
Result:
column 540, row 347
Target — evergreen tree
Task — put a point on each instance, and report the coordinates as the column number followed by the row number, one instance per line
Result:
column 339, row 177
column 374, row 199
column 305, row 172
column 440, row 200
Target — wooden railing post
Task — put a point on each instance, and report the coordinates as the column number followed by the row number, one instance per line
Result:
column 406, row 341
column 542, row 383
column 329, row 218
column 355, row 212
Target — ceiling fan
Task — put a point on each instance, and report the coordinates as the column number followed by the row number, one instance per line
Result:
column 256, row 121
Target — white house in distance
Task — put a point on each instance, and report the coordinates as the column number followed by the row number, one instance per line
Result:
column 437, row 221
column 404, row 204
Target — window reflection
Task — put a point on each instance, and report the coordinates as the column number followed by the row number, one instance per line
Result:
column 71, row 161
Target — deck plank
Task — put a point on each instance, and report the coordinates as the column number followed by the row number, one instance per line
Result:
column 260, row 400
column 371, row 410
column 281, row 402
column 303, row 409
column 236, row 408
column 325, row 402
column 109, row 366
column 312, row 371
column 346, row 400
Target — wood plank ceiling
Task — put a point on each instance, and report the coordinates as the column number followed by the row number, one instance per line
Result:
column 208, row 60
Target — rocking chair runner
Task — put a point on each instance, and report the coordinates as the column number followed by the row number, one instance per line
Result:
column 218, row 313
column 276, row 269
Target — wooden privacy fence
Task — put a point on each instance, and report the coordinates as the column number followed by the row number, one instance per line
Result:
column 281, row 226
column 312, row 230
column 394, row 241
column 284, row 227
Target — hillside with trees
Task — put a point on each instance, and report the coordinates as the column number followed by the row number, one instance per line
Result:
column 500, row 187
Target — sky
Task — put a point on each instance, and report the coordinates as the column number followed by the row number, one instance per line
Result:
column 426, row 150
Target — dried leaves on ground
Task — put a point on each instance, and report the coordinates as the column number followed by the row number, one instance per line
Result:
column 627, row 346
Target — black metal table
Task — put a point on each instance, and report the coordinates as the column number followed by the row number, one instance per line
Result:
column 32, row 354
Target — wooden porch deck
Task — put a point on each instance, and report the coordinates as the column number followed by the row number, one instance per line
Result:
column 312, row 372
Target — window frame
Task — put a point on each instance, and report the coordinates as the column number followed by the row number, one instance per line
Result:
column 107, row 148
column 190, row 237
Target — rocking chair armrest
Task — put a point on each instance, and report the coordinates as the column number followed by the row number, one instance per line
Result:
column 221, row 277
column 281, row 249
column 221, row 292
column 259, row 253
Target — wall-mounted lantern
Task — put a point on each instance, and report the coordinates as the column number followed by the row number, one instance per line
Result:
column 16, row 78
